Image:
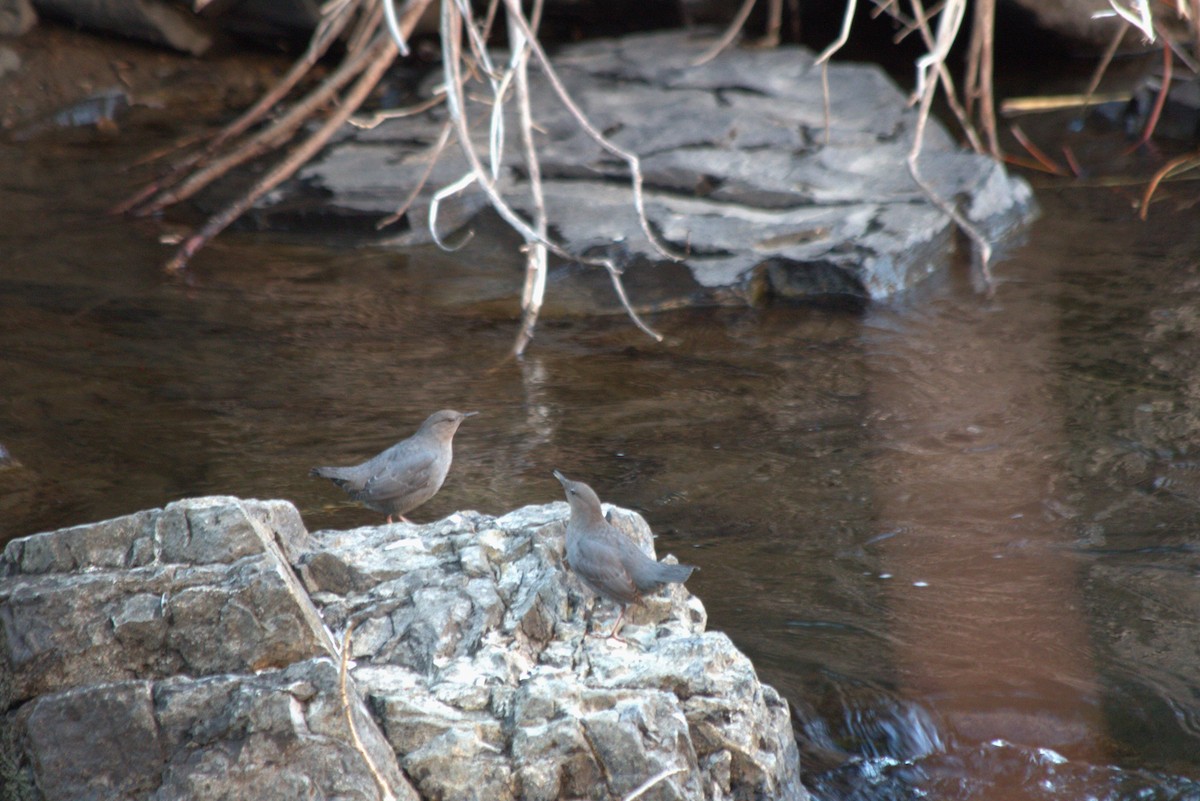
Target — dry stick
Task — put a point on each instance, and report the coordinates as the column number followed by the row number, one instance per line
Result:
column 382, row 116
column 1177, row 165
column 1159, row 102
column 729, row 35
column 645, row 786
column 581, row 119
column 455, row 103
column 364, row 31
column 827, row 53
column 920, row 23
column 1195, row 5
column 774, row 23
column 983, row 36
column 1109, row 53
column 535, row 253
column 327, row 32
column 386, row 50
column 343, row 672
column 435, row 153
column 948, row 25
column 271, row 137
column 1048, row 164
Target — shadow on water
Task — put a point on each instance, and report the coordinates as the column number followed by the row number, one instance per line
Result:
column 957, row 533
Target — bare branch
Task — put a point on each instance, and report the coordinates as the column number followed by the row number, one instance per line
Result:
column 948, row 25
column 645, row 786
column 726, row 39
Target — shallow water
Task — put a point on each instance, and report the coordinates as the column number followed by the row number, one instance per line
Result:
column 959, row 533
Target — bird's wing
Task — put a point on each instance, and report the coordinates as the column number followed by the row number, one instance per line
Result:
column 601, row 569
column 401, row 474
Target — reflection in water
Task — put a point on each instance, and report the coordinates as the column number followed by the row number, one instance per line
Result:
column 934, row 527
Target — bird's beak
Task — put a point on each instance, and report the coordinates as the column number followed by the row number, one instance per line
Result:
column 561, row 478
column 469, row 414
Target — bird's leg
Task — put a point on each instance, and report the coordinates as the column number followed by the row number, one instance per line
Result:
column 613, row 635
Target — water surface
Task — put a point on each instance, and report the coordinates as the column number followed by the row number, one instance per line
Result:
column 958, row 532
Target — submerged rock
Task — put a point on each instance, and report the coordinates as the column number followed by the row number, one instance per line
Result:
column 184, row 652
column 740, row 180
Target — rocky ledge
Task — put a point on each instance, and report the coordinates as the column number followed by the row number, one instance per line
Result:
column 195, row 652
column 742, row 178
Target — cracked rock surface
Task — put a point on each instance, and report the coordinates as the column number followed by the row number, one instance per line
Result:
column 740, row 180
column 189, row 652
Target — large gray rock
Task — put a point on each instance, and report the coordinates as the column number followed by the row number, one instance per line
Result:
column 183, row 653
column 739, row 180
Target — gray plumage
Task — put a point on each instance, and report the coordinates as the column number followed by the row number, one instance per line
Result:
column 405, row 475
column 606, row 560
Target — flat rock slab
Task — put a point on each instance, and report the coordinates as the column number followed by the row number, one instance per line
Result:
column 194, row 652
column 740, row 181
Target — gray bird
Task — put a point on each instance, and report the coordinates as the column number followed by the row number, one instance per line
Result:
column 605, row 559
column 405, row 475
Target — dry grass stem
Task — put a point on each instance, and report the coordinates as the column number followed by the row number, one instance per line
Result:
column 1172, row 168
column 385, row 790
column 948, row 24
column 650, row 783
column 536, row 260
column 730, row 34
column 384, row 53
column 827, row 53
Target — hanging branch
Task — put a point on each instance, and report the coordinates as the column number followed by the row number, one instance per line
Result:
column 978, row 87
column 383, row 50
column 948, row 24
column 335, row 16
column 535, row 253
column 453, row 19
column 827, row 53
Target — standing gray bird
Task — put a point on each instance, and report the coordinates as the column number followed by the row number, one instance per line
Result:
column 605, row 559
column 405, row 475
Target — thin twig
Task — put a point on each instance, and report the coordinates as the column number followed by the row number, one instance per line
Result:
column 269, row 138
column 983, row 35
column 384, row 51
column 334, row 19
column 774, row 24
column 451, row 28
column 379, row 117
column 435, row 153
column 1048, row 164
column 948, row 25
column 827, row 53
column 645, row 786
column 535, row 253
column 385, row 789
column 735, row 27
column 635, row 168
column 1159, row 102
column 1172, row 167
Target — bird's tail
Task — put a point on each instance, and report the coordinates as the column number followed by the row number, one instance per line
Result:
column 663, row 573
column 337, row 474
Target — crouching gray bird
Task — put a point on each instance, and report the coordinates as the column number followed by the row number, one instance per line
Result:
column 405, row 475
column 606, row 560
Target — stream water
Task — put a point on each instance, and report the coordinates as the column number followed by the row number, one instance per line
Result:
column 959, row 533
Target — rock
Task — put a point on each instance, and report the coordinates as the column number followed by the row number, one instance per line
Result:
column 739, row 181
column 153, row 21
column 281, row 734
column 17, row 18
column 1088, row 21
column 174, row 653
column 10, row 62
column 185, row 589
